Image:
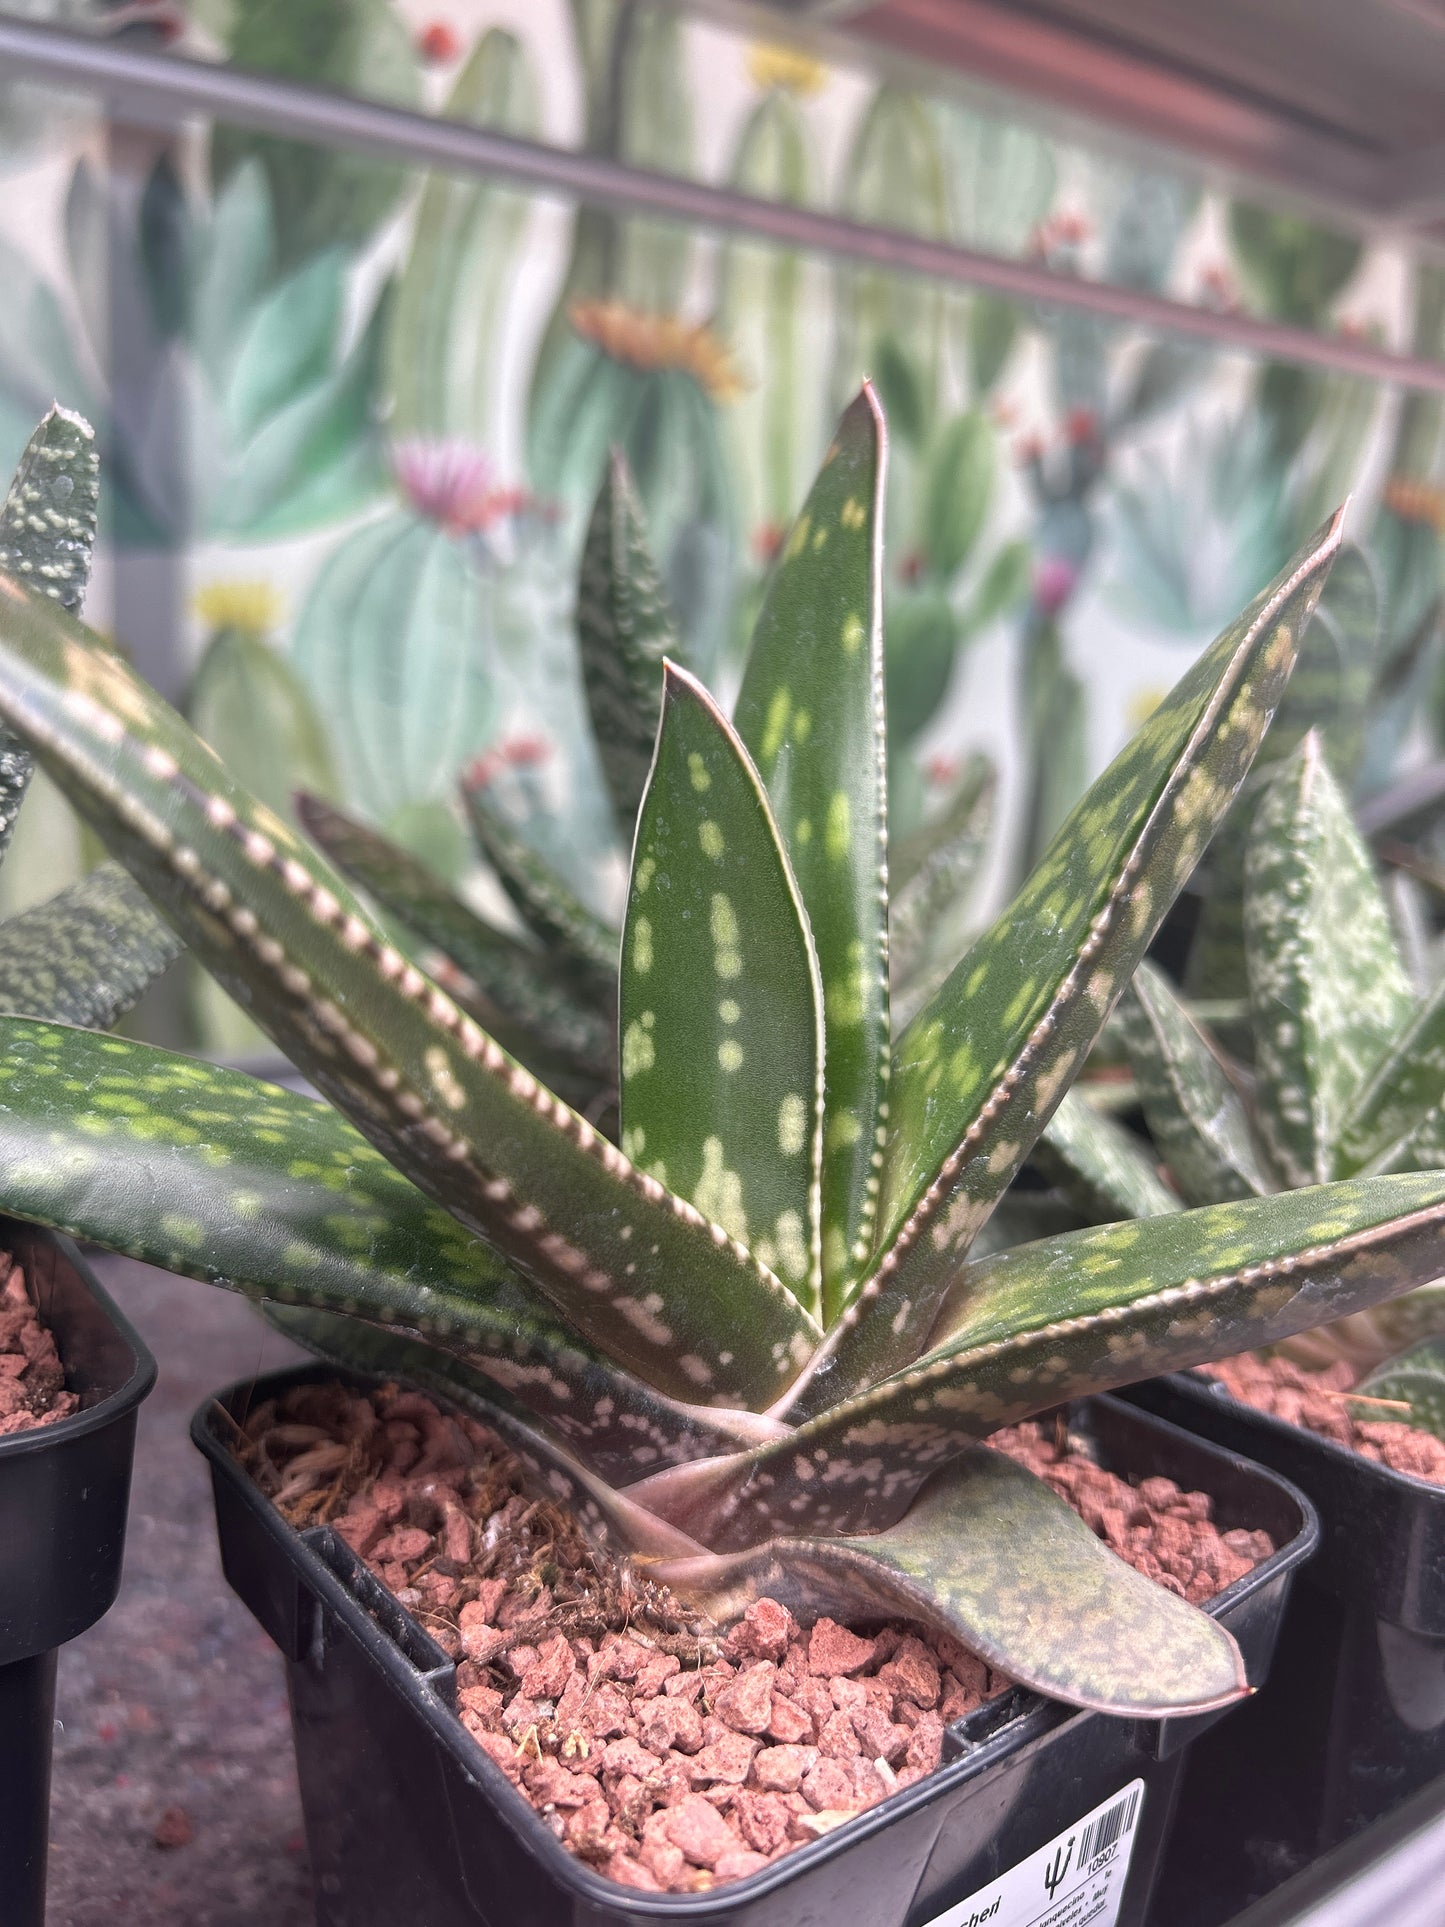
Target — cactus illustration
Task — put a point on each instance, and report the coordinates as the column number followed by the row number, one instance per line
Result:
column 441, row 345
column 400, row 638
column 636, row 109
column 323, row 196
column 248, row 702
column 244, row 402
column 775, row 426
column 895, row 176
column 649, row 385
column 1001, row 183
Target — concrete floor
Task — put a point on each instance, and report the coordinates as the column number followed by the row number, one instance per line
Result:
column 176, row 1699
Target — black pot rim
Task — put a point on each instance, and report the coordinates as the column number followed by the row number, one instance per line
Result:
column 130, row 1392
column 1022, row 1718
column 1333, row 1451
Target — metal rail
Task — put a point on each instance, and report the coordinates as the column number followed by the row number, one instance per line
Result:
column 135, row 81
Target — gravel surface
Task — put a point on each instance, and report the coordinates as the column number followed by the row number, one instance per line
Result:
column 175, row 1801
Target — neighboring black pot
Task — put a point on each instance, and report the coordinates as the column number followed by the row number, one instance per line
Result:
column 1354, row 1718
column 408, row 1819
column 64, row 1491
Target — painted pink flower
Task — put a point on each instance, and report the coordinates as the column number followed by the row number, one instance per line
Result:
column 439, row 44
column 1055, row 580
column 516, row 753
column 453, row 484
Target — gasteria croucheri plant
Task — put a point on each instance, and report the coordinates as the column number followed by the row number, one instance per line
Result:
column 748, row 1342
column 550, row 997
column 85, row 955
column 1346, row 1071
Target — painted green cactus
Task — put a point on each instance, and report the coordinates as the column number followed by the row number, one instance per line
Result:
column 86, row 955
column 751, row 1345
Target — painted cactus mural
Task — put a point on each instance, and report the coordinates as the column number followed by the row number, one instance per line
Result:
column 268, row 335
column 403, row 636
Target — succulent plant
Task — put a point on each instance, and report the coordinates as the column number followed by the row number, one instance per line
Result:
column 750, row 1346
column 86, row 955
column 1345, row 1059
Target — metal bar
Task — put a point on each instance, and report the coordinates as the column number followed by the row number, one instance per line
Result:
column 139, row 81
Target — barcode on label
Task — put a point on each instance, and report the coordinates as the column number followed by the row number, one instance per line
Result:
column 1101, row 1833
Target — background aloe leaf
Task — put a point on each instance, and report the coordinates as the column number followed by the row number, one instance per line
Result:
column 1101, row 1168
column 514, row 988
column 441, row 353
column 47, row 536
column 1396, row 1119
column 86, row 955
column 720, row 1012
column 1194, row 1113
column 1416, row 1379
column 810, row 712
column 48, row 519
column 425, row 1083
column 541, row 899
column 982, row 1066
column 932, row 871
column 224, row 1178
column 1328, row 989
column 1040, row 1323
column 624, row 629
column 987, row 1551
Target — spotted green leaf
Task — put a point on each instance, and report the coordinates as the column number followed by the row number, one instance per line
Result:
column 810, row 712
column 47, row 537
column 1194, row 1113
column 983, row 1065
column 1328, row 989
column 550, row 910
column 86, row 955
column 720, row 1010
column 1040, row 1323
column 224, row 1178
column 624, row 629
column 1102, row 1169
column 513, row 988
column 1415, row 1379
column 989, row 1553
column 424, row 1082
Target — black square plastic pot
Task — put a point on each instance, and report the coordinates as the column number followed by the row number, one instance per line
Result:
column 408, row 1820
column 1354, row 1718
column 64, row 1492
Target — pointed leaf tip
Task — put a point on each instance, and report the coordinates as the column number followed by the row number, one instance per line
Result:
column 721, row 1009
column 810, row 712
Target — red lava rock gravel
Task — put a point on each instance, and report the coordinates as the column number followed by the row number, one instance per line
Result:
column 1312, row 1398
column 669, row 1753
column 32, row 1379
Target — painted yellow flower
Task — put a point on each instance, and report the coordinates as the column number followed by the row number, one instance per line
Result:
column 795, row 72
column 659, row 341
column 254, row 607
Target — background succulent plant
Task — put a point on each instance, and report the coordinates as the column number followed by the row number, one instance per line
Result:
column 86, row 955
column 751, row 1346
column 1336, row 1061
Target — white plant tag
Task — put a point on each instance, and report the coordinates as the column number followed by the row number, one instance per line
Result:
column 1076, row 1880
